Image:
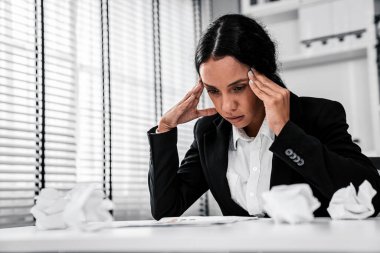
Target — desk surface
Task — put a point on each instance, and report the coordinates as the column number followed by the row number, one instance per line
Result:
column 322, row 235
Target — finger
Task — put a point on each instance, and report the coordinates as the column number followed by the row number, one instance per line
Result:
column 259, row 93
column 195, row 89
column 253, row 78
column 266, row 81
column 188, row 94
column 260, row 76
column 182, row 107
column 194, row 103
column 199, row 90
column 262, row 87
column 206, row 112
column 270, row 87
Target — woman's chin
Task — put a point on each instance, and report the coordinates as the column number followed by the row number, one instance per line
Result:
column 239, row 125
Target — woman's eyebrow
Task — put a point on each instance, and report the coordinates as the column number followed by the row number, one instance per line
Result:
column 233, row 83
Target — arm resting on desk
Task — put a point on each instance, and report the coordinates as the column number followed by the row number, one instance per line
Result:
column 330, row 159
column 173, row 188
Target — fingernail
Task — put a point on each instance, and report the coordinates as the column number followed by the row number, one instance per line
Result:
column 250, row 74
column 250, row 82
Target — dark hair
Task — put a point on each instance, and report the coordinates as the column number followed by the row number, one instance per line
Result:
column 244, row 39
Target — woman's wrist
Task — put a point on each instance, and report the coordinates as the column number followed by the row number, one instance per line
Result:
column 162, row 128
column 278, row 128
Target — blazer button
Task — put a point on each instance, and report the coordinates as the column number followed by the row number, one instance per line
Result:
column 293, row 156
column 300, row 163
column 289, row 152
column 297, row 159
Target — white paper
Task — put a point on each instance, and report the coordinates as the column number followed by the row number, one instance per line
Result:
column 75, row 209
column 346, row 204
column 86, row 205
column 183, row 221
column 290, row 203
column 48, row 209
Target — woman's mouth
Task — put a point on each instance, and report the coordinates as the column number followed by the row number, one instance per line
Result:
column 235, row 119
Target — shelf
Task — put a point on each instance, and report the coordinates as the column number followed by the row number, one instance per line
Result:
column 274, row 8
column 301, row 61
column 271, row 8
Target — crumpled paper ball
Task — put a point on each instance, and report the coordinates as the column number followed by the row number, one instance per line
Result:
column 49, row 208
column 78, row 208
column 346, row 204
column 290, row 203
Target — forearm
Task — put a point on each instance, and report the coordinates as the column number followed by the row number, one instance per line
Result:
column 163, row 168
column 328, row 167
column 173, row 188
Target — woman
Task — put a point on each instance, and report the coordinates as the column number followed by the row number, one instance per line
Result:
column 258, row 135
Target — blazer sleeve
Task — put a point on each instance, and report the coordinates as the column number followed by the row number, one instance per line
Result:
column 173, row 188
column 331, row 160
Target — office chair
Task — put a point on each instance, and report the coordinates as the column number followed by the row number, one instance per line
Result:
column 376, row 162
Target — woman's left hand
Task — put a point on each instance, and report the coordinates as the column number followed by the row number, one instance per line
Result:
column 276, row 100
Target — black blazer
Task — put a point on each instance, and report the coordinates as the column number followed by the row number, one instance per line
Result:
column 314, row 147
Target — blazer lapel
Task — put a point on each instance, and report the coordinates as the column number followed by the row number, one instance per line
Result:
column 281, row 172
column 216, row 143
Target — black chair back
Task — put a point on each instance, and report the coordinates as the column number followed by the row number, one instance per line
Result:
column 376, row 162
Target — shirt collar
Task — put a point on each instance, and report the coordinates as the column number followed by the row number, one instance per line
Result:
column 239, row 133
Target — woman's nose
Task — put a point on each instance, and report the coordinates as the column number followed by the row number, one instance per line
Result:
column 229, row 104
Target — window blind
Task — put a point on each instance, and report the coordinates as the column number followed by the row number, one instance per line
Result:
column 19, row 111
column 62, row 65
column 177, row 59
column 178, row 28
column 59, row 84
column 133, row 106
column 74, row 147
column 90, row 123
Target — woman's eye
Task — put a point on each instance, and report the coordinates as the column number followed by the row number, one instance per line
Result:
column 212, row 91
column 238, row 88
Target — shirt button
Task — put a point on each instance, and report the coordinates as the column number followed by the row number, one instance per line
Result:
column 251, row 194
column 254, row 169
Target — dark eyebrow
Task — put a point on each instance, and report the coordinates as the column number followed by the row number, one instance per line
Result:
column 233, row 83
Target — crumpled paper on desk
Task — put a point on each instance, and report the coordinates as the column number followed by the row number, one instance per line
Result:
column 290, row 203
column 345, row 204
column 49, row 209
column 78, row 208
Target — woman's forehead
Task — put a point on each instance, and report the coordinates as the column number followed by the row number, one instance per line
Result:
column 222, row 71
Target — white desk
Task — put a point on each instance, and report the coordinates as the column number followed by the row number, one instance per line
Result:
column 323, row 235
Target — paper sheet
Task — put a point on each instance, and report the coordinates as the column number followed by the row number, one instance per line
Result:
column 183, row 221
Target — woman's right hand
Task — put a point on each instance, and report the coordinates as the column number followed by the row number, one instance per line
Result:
column 185, row 111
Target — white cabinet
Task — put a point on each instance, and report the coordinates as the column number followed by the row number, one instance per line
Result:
column 327, row 48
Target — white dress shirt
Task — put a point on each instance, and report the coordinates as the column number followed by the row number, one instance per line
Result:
column 249, row 167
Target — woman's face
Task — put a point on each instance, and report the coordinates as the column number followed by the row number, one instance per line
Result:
column 226, row 81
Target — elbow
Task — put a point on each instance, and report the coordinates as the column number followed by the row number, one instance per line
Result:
column 160, row 211
column 156, row 213
column 157, row 216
